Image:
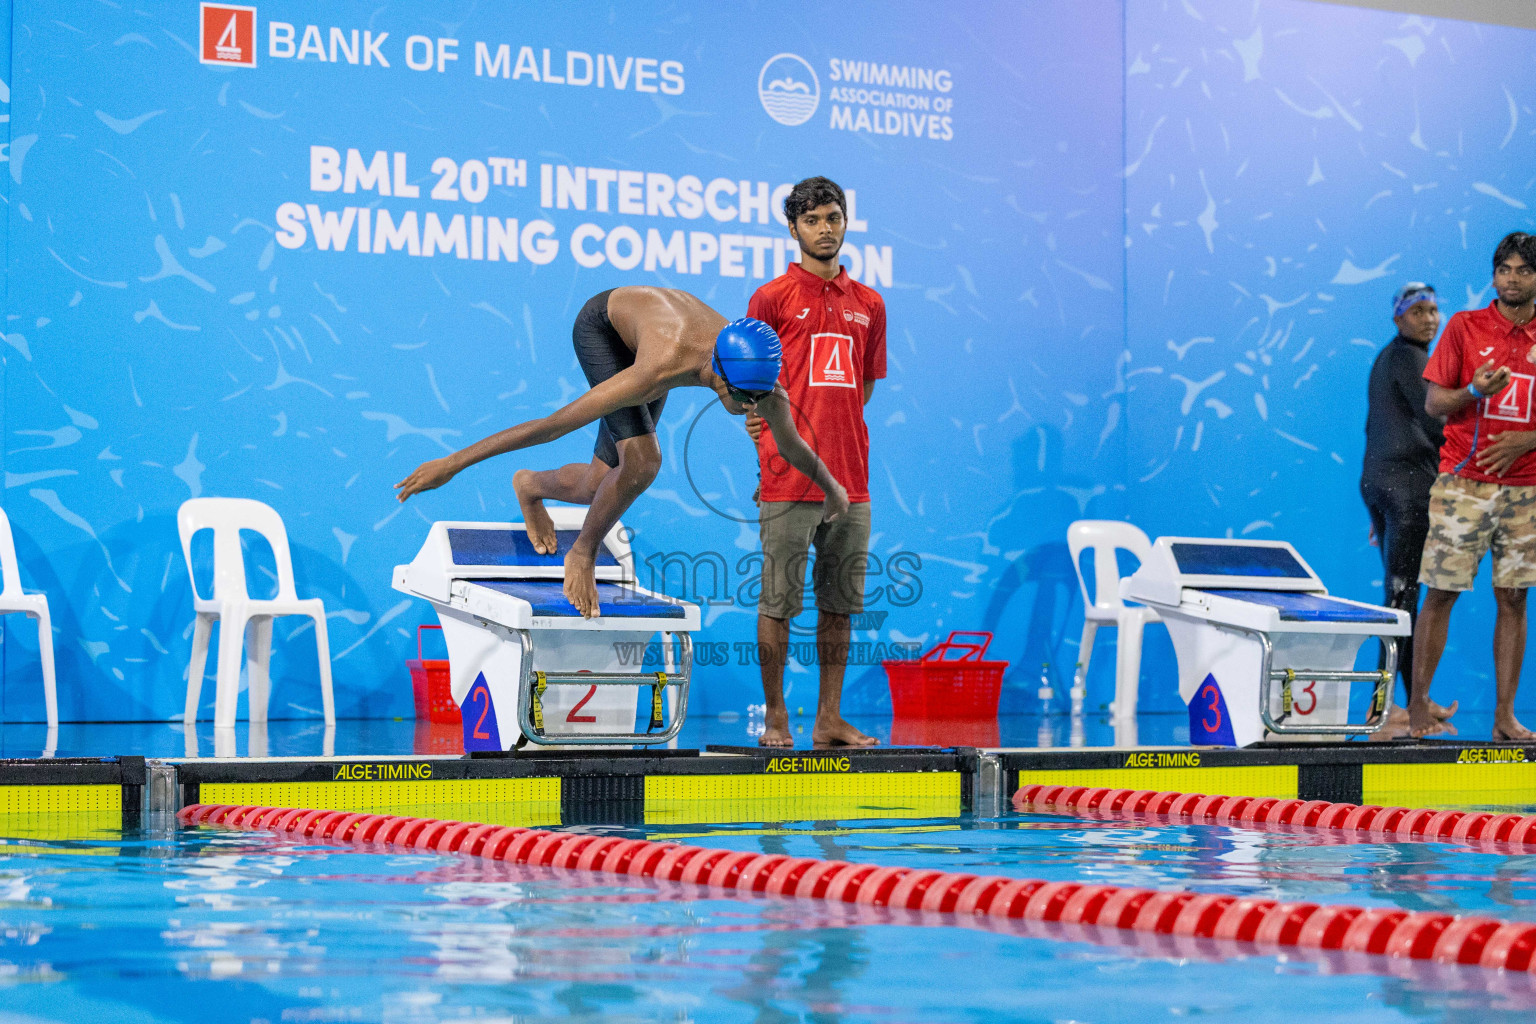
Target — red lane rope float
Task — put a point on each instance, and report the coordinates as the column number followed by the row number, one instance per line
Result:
column 1443, row 938
column 1364, row 824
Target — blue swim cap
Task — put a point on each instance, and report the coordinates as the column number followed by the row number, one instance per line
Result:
column 747, row 355
column 1410, row 295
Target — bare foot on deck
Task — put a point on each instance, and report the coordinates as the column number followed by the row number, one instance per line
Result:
column 1397, row 724
column 1421, row 723
column 839, row 733
column 580, row 584
column 541, row 529
column 776, row 731
column 1509, row 728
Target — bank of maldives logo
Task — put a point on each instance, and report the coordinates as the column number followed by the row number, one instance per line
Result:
column 227, row 35
column 789, row 89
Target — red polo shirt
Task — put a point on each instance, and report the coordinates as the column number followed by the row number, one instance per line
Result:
column 833, row 333
column 1470, row 340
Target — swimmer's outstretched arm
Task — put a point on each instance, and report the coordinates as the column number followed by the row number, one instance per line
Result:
column 631, row 386
column 774, row 409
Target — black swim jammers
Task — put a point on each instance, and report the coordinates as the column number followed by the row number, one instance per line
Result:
column 602, row 353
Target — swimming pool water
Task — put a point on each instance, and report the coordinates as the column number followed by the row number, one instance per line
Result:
column 1284, row 865
column 212, row 925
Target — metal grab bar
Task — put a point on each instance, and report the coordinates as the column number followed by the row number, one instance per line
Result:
column 531, row 684
column 1325, row 675
column 1381, row 698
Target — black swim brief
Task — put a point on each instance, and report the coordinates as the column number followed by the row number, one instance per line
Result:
column 602, row 353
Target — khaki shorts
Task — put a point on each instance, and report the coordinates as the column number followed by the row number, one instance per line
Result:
column 1468, row 518
column 789, row 529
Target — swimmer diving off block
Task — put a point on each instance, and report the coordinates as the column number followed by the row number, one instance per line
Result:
column 635, row 345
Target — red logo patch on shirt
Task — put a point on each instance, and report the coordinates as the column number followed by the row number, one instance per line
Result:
column 1514, row 402
column 228, row 35
column 831, row 361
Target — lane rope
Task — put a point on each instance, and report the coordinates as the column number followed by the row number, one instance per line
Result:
column 1367, row 823
column 1420, row 935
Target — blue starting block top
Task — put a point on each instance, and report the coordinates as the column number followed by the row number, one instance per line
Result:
column 1309, row 607
column 1216, row 559
column 512, row 547
column 548, row 599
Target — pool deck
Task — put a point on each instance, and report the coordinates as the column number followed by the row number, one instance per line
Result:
column 723, row 784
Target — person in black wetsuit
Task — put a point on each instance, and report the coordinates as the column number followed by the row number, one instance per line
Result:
column 1402, row 457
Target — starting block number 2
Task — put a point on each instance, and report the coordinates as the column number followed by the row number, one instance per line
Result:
column 479, row 713
column 572, row 716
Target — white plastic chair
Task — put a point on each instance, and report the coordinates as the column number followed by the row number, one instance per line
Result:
column 35, row 606
column 1105, row 608
column 239, row 613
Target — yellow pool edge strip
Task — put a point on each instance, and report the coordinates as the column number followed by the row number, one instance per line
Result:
column 1278, row 780
column 1461, row 784
column 534, row 801
column 53, row 799
column 688, row 799
column 57, row 813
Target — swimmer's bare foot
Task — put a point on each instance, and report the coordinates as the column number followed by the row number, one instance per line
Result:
column 580, row 583
column 1508, row 728
column 838, row 733
column 776, row 730
column 541, row 529
column 1398, row 726
column 1421, row 723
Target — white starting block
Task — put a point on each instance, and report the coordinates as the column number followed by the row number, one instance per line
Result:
column 524, row 664
column 1262, row 648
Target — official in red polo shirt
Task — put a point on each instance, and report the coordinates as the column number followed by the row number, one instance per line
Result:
column 833, row 332
column 1482, row 379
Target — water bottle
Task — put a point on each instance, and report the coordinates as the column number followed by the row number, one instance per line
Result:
column 1047, row 691
column 756, row 724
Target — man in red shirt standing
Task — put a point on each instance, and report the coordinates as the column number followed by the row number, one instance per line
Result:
column 833, row 333
column 1482, row 379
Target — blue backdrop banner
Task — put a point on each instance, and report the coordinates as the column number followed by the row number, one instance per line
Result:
column 1136, row 257
column 288, row 252
column 1289, row 166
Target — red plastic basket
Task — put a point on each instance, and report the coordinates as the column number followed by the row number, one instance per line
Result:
column 935, row 686
column 432, row 686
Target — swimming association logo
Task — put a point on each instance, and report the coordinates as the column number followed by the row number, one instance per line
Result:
column 789, row 89
column 831, row 360
column 227, row 35
column 1514, row 402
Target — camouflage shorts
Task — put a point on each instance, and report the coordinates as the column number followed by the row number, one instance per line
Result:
column 1468, row 518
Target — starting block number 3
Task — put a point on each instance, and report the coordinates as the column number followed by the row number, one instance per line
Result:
column 1210, row 722
column 1305, row 702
